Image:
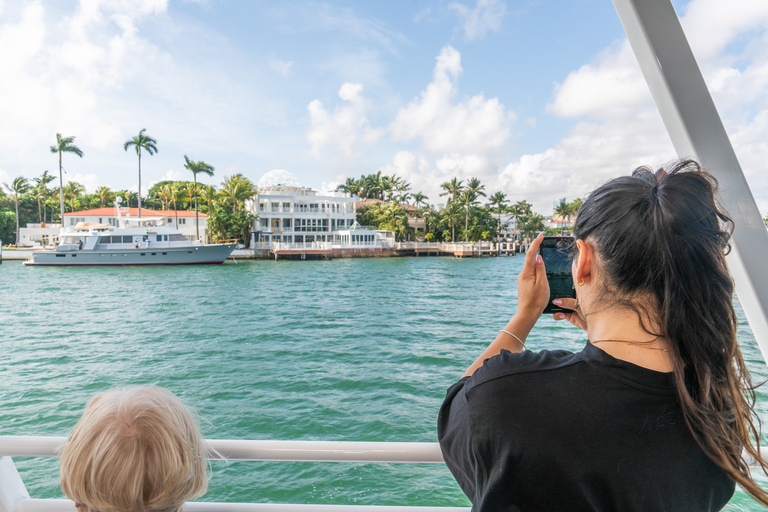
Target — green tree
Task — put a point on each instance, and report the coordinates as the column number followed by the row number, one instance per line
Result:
column 420, row 199
column 64, row 145
column 225, row 224
column 17, row 187
column 468, row 198
column 499, row 199
column 104, row 194
column 73, row 190
column 197, row 168
column 452, row 189
column 518, row 211
column 41, row 193
column 165, row 193
column 7, row 221
column 563, row 210
column 237, row 189
column 532, row 224
column 141, row 141
column 178, row 193
column 452, row 213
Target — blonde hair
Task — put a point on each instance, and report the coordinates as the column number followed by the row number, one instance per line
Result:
column 134, row 450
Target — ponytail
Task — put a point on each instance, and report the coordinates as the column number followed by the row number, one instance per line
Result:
column 662, row 235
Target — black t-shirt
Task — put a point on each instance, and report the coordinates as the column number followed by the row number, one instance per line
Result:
column 556, row 430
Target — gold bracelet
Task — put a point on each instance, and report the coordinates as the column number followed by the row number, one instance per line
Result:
column 518, row 339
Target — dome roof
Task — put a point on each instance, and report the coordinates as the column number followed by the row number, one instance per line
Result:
column 279, row 178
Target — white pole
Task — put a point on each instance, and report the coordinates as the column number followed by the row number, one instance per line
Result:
column 696, row 130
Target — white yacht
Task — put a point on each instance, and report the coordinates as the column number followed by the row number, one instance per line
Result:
column 134, row 241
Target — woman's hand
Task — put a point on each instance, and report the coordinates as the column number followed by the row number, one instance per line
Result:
column 574, row 317
column 532, row 285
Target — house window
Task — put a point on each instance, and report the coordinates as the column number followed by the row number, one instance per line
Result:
column 286, row 223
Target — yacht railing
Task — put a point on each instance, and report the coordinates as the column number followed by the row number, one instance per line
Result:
column 306, row 451
column 14, row 496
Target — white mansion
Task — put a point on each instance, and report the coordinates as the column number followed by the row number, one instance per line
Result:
column 292, row 214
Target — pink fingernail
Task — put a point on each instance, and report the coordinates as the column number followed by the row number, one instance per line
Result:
column 539, row 259
column 557, row 302
column 560, row 316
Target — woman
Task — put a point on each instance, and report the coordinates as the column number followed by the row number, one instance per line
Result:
column 654, row 412
column 135, row 450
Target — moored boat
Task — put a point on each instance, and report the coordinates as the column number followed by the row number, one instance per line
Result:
column 134, row 241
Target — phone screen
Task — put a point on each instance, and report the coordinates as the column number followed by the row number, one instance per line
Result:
column 557, row 253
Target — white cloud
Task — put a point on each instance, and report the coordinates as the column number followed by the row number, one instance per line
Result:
column 485, row 17
column 592, row 153
column 424, row 178
column 621, row 127
column 339, row 135
column 711, row 25
column 609, row 87
column 473, row 126
column 172, row 175
column 4, row 178
column 89, row 181
column 327, row 187
column 55, row 75
column 282, row 67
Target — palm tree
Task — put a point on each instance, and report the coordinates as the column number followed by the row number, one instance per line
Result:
column 104, row 194
column 41, row 192
column 178, row 193
column 73, row 190
column 452, row 213
column 574, row 207
column 237, row 189
column 350, row 186
column 475, row 186
column 141, row 141
column 64, row 145
column 128, row 194
column 165, row 194
column 468, row 198
column 563, row 210
column 196, row 168
column 18, row 186
column 498, row 200
column 452, row 189
column 419, row 199
column 519, row 210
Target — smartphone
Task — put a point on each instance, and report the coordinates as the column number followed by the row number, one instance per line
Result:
column 557, row 253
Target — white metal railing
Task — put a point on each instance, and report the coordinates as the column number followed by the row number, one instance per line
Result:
column 456, row 246
column 307, row 451
column 14, row 497
column 298, row 246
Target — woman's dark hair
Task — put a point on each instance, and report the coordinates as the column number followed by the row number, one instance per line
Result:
column 661, row 239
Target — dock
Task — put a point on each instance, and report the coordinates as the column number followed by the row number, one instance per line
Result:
column 328, row 251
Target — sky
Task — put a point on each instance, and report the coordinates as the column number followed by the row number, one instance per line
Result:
column 539, row 99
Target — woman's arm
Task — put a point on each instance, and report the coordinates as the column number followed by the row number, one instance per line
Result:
column 532, row 298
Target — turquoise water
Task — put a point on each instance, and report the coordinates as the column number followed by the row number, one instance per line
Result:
column 347, row 350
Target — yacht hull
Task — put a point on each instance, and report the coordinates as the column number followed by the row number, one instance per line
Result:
column 194, row 255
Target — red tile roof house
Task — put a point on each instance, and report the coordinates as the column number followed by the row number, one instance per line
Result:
column 186, row 218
